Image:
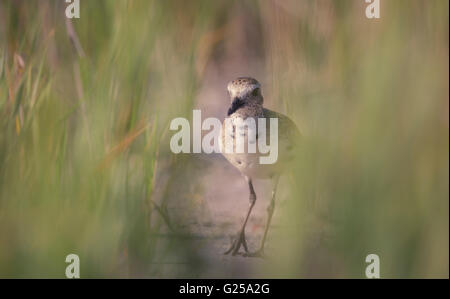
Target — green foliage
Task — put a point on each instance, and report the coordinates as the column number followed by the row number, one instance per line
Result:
column 83, row 135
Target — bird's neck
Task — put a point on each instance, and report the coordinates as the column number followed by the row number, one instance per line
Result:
column 237, row 105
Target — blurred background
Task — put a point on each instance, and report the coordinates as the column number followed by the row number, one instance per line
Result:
column 85, row 164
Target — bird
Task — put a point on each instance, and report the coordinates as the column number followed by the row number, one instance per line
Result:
column 247, row 102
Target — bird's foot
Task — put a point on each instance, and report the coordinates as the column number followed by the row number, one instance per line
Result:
column 258, row 253
column 237, row 243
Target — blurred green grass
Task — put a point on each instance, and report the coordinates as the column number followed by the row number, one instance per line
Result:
column 84, row 136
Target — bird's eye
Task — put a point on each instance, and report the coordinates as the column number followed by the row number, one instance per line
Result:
column 255, row 92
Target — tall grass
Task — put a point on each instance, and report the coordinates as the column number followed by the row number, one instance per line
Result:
column 372, row 99
column 81, row 133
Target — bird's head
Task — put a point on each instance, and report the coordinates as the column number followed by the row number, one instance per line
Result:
column 244, row 91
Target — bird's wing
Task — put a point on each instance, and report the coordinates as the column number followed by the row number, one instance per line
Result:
column 287, row 129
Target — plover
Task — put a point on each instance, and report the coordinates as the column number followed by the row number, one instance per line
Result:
column 247, row 102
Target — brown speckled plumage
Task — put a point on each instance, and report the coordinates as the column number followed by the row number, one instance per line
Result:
column 288, row 134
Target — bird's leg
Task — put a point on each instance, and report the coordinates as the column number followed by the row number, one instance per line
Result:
column 240, row 239
column 270, row 209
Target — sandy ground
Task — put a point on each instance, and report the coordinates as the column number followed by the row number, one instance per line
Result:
column 222, row 210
